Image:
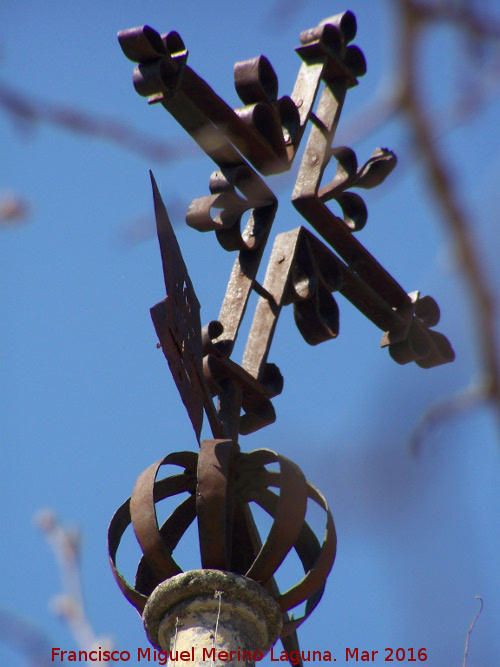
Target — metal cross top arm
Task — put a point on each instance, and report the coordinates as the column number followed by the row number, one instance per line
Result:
column 261, row 137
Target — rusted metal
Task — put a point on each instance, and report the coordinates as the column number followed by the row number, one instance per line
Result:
column 250, row 133
column 294, row 275
column 264, row 136
column 214, row 503
column 221, row 479
column 177, row 320
column 159, row 557
column 255, row 395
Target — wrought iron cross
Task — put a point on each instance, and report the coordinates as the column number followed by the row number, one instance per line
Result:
column 262, row 136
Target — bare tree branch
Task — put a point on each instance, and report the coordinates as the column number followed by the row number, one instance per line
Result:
column 471, row 628
column 464, row 17
column 25, row 638
column 13, row 209
column 70, row 605
column 27, row 111
column 442, row 187
column 282, row 12
column 450, row 407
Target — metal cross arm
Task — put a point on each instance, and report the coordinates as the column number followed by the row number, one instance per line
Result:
column 267, row 130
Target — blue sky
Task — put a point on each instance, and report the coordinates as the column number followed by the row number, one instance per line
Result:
column 88, row 401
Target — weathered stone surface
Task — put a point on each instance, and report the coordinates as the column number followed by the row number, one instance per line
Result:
column 200, row 610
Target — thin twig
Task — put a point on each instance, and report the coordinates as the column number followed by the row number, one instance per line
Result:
column 29, row 111
column 70, row 605
column 486, row 27
column 13, row 209
column 444, row 410
column 282, row 12
column 471, row 628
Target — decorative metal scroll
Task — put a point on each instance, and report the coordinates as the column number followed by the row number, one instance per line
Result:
column 261, row 136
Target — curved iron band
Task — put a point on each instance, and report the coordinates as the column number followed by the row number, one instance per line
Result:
column 317, row 562
column 261, row 457
column 229, row 204
column 413, row 340
column 171, row 532
column 143, row 512
column 277, row 121
column 316, row 559
column 142, row 45
column 324, row 43
column 311, row 555
column 315, row 266
column 257, row 197
column 119, row 523
column 259, row 412
column 145, row 44
column 288, row 518
column 371, row 174
column 227, row 222
column 441, row 351
column 255, row 81
column 254, row 234
column 354, row 211
column 260, row 199
column 425, row 347
column 122, row 519
column 264, row 118
column 214, row 503
column 317, row 318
